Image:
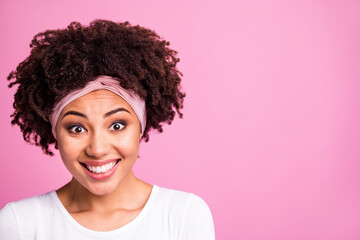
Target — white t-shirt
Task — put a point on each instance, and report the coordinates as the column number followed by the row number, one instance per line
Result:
column 168, row 214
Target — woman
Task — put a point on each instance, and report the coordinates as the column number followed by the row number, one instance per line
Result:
column 95, row 92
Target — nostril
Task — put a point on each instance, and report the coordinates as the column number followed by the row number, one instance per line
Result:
column 97, row 152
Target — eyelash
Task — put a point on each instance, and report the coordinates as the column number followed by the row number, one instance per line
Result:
column 121, row 123
column 71, row 129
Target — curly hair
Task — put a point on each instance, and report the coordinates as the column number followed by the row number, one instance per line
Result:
column 66, row 59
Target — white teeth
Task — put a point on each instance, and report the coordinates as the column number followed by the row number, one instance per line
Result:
column 101, row 169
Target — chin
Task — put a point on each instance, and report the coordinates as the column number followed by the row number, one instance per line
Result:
column 102, row 189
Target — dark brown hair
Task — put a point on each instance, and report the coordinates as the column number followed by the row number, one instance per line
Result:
column 66, row 59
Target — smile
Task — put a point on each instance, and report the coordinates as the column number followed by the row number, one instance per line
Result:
column 100, row 170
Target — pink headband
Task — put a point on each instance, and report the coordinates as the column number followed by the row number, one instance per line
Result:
column 102, row 82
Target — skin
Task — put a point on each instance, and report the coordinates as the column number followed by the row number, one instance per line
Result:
column 86, row 131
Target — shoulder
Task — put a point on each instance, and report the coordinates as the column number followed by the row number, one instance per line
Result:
column 8, row 223
column 31, row 204
column 186, row 201
column 15, row 215
column 189, row 211
column 171, row 195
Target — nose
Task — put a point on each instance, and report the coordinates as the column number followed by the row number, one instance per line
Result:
column 98, row 145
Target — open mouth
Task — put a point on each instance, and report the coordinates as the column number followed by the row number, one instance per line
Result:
column 101, row 169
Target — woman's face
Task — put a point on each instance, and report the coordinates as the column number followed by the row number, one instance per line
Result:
column 98, row 137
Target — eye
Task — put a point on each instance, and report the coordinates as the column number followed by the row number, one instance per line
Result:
column 76, row 129
column 116, row 126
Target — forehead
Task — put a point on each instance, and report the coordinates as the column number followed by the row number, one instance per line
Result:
column 99, row 94
column 98, row 98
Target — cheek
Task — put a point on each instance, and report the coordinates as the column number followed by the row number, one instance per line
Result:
column 128, row 146
column 69, row 149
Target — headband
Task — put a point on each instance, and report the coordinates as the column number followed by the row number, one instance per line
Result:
column 107, row 83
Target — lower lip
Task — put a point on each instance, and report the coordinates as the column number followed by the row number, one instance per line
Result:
column 101, row 176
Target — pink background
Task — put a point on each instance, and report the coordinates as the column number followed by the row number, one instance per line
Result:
column 271, row 132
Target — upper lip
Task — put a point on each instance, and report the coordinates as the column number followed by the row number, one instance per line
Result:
column 96, row 163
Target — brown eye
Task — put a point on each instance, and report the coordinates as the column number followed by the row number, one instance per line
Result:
column 76, row 129
column 117, row 126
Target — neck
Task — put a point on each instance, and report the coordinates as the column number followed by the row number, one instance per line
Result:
column 128, row 195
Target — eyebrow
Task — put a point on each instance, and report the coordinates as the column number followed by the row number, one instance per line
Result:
column 105, row 115
column 116, row 110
